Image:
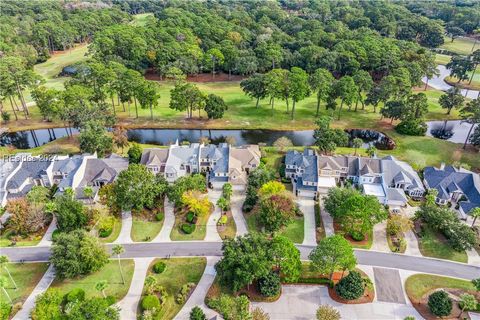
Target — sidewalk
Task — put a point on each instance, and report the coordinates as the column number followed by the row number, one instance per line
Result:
column 169, row 216
column 308, row 208
column 128, row 305
column 212, row 233
column 41, row 287
column 197, row 298
column 47, row 237
column 124, row 236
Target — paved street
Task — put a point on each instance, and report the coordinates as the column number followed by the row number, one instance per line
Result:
column 204, row 248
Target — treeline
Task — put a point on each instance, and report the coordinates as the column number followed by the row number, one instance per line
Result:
column 463, row 15
column 256, row 36
column 34, row 29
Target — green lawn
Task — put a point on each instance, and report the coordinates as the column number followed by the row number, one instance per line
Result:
column 141, row 19
column 474, row 85
column 460, row 45
column 109, row 272
column 21, row 242
column 200, row 230
column 26, row 275
column 293, row 231
column 117, row 227
column 418, row 285
column 442, row 58
column 229, row 230
column 143, row 230
column 432, row 245
column 179, row 271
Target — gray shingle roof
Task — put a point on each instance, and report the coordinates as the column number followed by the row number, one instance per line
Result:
column 33, row 168
column 451, row 179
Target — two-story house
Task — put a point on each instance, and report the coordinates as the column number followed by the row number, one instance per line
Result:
column 155, row 159
column 182, row 160
column 302, row 169
column 460, row 187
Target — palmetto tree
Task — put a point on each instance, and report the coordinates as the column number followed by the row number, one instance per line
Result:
column 3, row 284
column 102, row 286
column 88, row 192
column 357, row 143
column 3, row 263
column 475, row 213
column 118, row 250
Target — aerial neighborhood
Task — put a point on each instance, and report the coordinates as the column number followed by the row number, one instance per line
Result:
column 239, row 160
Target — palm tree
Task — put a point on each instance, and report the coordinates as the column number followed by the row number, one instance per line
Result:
column 118, row 250
column 102, row 286
column 357, row 143
column 88, row 192
column 223, row 204
column 3, row 263
column 69, row 192
column 150, row 284
column 371, row 151
column 475, row 213
column 3, row 284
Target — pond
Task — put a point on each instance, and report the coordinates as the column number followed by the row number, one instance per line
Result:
column 451, row 130
column 33, row 138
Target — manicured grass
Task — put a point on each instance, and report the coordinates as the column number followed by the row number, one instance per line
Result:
column 141, row 19
column 433, row 245
column 230, row 228
column 474, row 85
column 459, row 45
column 117, row 227
column 143, row 230
column 442, row 58
column 178, row 272
column 31, row 240
column 293, row 231
column 109, row 272
column 200, row 230
column 53, row 66
column 26, row 275
column 418, row 285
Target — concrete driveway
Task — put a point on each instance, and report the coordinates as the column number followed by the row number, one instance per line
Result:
column 301, row 302
column 388, row 285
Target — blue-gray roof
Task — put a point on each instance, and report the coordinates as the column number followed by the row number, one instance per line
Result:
column 451, row 179
column 33, row 168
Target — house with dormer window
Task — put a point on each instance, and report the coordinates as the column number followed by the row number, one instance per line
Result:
column 155, row 159
column 457, row 186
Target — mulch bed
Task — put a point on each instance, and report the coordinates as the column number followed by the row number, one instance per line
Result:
column 422, row 305
column 367, row 297
column 202, row 77
column 338, row 229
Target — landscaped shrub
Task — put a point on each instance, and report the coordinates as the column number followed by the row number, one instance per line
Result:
column 150, row 302
column 159, row 267
column 357, row 236
column 351, row 287
column 190, row 217
column 110, row 300
column 188, row 228
column 55, row 234
column 231, row 307
column 105, row 226
column 5, row 309
column 182, row 296
column 440, row 303
column 197, row 314
column 269, row 286
column 159, row 216
column 223, row 220
column 414, row 127
column 76, row 294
